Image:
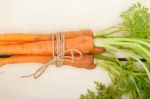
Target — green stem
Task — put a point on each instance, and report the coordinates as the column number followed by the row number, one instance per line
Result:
column 110, row 33
column 98, row 33
column 127, row 54
column 136, row 47
column 133, row 80
column 140, row 41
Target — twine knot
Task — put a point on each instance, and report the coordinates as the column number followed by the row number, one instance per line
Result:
column 61, row 55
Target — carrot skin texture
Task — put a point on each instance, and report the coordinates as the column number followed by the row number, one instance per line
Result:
column 9, row 43
column 86, row 61
column 81, row 43
column 23, row 37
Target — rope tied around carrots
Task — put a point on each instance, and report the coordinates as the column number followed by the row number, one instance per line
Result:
column 58, row 58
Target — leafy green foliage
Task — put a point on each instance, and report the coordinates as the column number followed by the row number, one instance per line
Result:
column 136, row 20
column 90, row 95
column 135, row 24
column 128, row 80
column 103, row 92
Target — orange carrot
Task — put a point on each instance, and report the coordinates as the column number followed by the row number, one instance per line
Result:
column 98, row 50
column 81, row 43
column 85, row 62
column 8, row 43
column 22, row 37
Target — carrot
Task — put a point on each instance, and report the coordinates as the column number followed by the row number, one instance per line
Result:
column 82, row 43
column 85, row 62
column 98, row 50
column 22, row 37
column 8, row 43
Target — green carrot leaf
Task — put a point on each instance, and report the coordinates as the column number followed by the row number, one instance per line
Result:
column 136, row 20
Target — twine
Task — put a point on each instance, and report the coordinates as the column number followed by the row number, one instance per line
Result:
column 58, row 58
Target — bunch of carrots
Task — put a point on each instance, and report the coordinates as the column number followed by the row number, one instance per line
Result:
column 127, row 77
column 26, row 48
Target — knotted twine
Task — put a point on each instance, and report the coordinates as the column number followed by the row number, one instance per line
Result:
column 59, row 56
